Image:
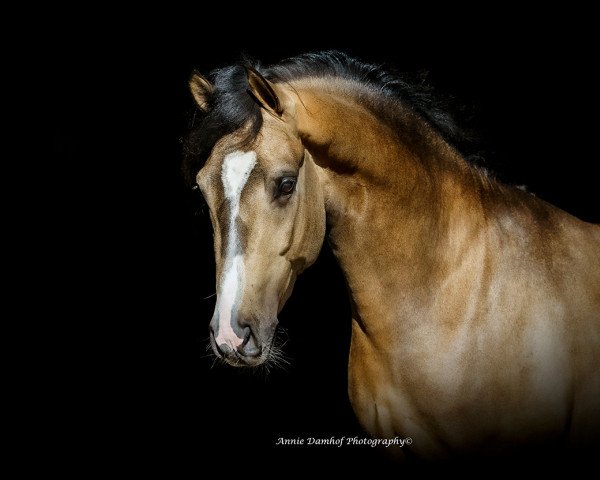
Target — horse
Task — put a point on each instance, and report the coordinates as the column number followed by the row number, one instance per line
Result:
column 475, row 305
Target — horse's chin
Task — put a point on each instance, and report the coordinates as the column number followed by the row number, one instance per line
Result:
column 246, row 362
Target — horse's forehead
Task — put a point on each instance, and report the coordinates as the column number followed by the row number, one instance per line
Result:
column 276, row 145
column 209, row 178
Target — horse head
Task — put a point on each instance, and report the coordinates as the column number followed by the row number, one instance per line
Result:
column 266, row 207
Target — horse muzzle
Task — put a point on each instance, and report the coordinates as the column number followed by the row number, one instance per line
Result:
column 247, row 350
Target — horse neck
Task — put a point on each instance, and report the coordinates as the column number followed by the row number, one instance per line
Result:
column 389, row 200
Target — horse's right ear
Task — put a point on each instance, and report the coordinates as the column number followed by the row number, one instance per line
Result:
column 201, row 89
column 263, row 92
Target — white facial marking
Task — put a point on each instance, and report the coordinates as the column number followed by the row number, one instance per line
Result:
column 234, row 174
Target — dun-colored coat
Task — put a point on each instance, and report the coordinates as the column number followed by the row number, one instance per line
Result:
column 476, row 306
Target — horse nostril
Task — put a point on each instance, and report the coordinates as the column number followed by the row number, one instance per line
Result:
column 249, row 347
column 247, row 334
column 222, row 349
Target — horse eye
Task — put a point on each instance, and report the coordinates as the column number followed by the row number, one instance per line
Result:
column 286, row 186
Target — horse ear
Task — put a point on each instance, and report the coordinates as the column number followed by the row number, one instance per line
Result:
column 201, row 89
column 263, row 92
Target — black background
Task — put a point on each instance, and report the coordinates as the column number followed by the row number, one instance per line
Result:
column 141, row 388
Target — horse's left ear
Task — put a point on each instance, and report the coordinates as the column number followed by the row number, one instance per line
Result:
column 201, row 90
column 264, row 92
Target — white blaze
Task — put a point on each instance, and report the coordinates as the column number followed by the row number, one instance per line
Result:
column 234, row 174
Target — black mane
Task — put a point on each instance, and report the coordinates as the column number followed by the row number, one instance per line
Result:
column 231, row 107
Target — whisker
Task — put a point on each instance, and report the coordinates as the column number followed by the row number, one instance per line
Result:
column 276, row 357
